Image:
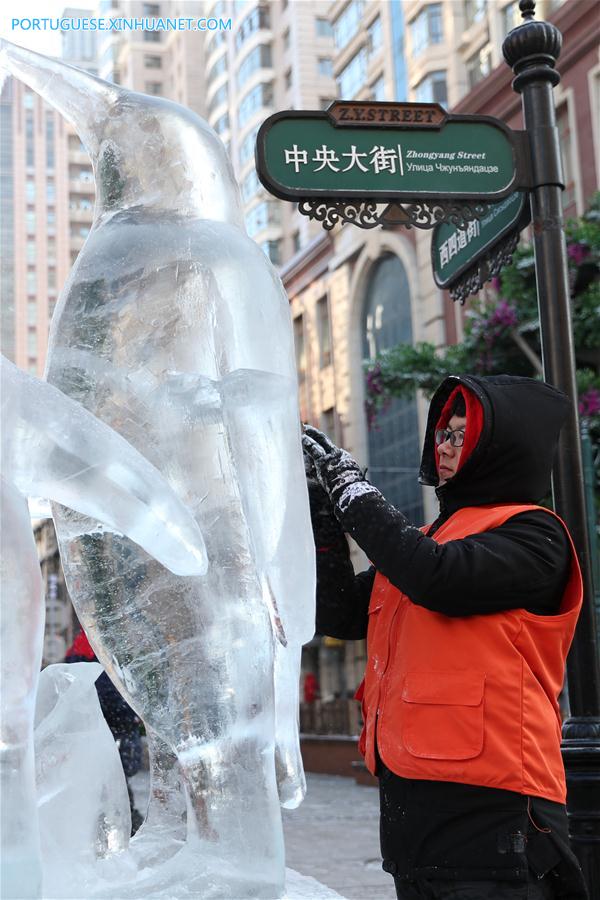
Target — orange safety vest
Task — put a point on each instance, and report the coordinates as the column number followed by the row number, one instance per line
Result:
column 473, row 699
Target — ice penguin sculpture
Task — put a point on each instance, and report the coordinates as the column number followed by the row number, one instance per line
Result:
column 175, row 330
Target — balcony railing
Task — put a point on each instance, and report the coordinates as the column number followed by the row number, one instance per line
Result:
column 330, row 717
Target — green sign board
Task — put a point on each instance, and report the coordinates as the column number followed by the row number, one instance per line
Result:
column 454, row 250
column 304, row 154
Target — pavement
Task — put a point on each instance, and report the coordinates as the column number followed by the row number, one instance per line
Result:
column 333, row 836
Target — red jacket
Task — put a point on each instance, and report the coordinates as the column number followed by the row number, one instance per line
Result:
column 472, row 699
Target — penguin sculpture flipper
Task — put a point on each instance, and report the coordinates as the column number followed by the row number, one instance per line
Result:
column 53, row 447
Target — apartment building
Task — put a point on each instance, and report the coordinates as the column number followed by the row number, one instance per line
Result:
column 47, row 200
column 35, row 228
column 277, row 55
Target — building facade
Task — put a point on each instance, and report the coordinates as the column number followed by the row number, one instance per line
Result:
column 35, row 229
column 277, row 55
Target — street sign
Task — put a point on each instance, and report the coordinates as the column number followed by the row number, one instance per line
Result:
column 389, row 152
column 454, row 250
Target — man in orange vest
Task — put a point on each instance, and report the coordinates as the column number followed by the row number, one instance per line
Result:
column 468, row 624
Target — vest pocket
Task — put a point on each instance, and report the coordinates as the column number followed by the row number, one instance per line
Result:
column 442, row 714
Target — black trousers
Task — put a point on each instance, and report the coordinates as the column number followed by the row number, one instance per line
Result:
column 450, row 841
column 535, row 889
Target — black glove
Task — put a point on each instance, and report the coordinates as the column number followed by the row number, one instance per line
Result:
column 336, row 471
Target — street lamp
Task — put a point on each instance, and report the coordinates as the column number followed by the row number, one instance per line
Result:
column 531, row 49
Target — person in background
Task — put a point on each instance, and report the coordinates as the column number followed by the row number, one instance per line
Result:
column 311, row 687
column 468, row 623
column 121, row 719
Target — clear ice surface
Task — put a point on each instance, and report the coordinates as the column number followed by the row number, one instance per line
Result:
column 52, row 446
column 174, row 330
column 21, row 639
column 83, row 805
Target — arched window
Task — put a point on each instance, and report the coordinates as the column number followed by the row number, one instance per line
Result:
column 394, row 447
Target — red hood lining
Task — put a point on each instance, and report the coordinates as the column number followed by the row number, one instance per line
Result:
column 473, row 428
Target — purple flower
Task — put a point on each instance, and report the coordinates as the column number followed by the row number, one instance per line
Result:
column 577, row 252
column 504, row 316
column 496, row 283
column 589, row 402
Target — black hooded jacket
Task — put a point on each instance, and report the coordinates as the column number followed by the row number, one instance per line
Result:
column 446, row 830
column 522, row 564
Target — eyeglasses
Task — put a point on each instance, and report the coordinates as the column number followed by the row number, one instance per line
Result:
column 456, row 438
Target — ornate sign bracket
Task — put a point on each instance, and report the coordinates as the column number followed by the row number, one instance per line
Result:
column 412, row 213
column 472, row 281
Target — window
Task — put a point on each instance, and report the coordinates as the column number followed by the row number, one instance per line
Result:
column 324, row 102
column 432, row 89
column 327, row 422
column 300, row 348
column 324, row 330
column 31, row 312
column 352, row 78
column 566, row 148
column 375, row 35
column 30, row 191
column 479, row 65
column 247, row 145
column 259, row 97
column 258, row 18
column 49, row 140
column 216, row 40
column 31, row 341
column 152, row 37
column 50, row 218
column 222, row 124
column 50, row 192
column 259, row 58
column 30, row 222
column 511, row 16
column 378, row 89
column 153, row 87
column 51, row 278
column 393, row 447
column 261, row 216
column 150, row 10
column 31, row 280
column 250, row 185
column 325, row 66
column 474, row 11
column 346, row 25
column 218, row 68
column 218, row 98
column 29, row 137
column 427, row 28
column 51, row 248
column 152, row 62
column 272, row 250
column 78, row 174
column 30, row 251
column 324, row 28
column 28, row 99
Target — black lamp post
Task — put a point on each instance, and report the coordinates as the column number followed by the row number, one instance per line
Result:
column 531, row 49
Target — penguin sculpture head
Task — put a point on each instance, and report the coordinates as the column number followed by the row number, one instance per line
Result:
column 147, row 152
